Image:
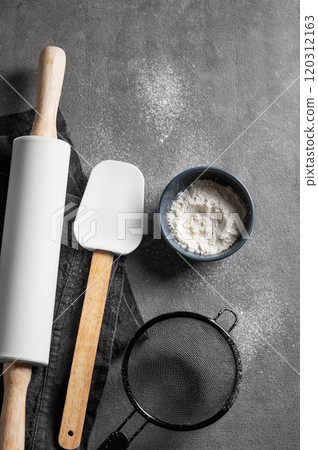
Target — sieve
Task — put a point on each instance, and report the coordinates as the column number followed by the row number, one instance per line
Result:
column 181, row 371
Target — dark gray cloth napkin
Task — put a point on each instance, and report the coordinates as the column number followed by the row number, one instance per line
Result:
column 48, row 385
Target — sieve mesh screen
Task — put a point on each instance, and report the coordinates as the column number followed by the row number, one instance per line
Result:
column 182, row 371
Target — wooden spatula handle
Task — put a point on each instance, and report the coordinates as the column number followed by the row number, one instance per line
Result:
column 85, row 350
column 16, row 380
column 50, row 81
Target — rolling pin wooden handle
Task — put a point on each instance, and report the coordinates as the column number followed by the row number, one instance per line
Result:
column 16, row 378
column 85, row 350
column 50, row 81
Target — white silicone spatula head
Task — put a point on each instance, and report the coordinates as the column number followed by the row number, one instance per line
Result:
column 110, row 216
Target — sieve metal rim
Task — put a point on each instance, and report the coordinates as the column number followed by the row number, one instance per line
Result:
column 238, row 376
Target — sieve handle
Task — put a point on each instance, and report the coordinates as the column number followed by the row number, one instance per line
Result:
column 115, row 441
column 118, row 440
column 219, row 314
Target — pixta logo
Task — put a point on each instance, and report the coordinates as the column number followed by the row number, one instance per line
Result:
column 62, row 224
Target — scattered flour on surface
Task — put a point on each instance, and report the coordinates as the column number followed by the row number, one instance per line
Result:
column 205, row 218
column 161, row 88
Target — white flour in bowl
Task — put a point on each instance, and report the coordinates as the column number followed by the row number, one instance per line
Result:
column 207, row 217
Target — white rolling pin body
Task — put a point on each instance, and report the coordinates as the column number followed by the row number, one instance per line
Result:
column 31, row 247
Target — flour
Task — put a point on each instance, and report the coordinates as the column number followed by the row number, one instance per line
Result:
column 161, row 88
column 206, row 218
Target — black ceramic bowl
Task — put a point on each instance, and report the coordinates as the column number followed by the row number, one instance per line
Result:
column 182, row 182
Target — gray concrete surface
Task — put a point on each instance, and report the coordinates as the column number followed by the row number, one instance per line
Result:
column 169, row 85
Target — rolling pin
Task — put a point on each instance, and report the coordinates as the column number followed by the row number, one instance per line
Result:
column 31, row 247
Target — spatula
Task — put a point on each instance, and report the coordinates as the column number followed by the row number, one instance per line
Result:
column 109, row 222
